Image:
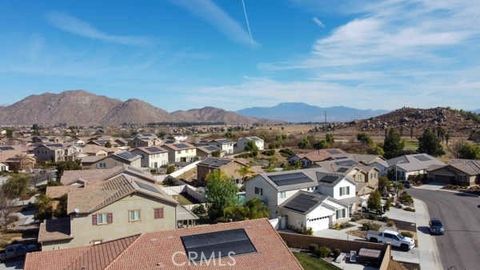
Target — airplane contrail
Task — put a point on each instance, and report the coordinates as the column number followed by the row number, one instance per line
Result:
column 247, row 22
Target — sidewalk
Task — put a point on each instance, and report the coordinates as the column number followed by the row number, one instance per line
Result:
column 427, row 246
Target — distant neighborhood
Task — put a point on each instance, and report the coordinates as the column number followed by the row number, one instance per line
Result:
column 66, row 189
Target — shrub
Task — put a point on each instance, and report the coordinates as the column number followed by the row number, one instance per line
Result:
column 323, row 252
column 370, row 226
column 312, row 247
column 308, row 231
column 405, row 198
column 390, row 223
column 336, row 252
column 268, row 152
column 407, row 234
column 409, row 209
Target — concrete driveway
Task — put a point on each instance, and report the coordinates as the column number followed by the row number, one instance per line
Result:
column 460, row 214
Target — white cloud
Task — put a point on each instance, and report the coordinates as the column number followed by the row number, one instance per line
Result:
column 81, row 28
column 318, row 22
column 208, row 11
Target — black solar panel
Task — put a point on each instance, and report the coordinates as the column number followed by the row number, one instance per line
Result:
column 5, row 148
column 153, row 149
column 329, row 178
column 302, row 202
column 147, row 187
column 289, row 179
column 422, row 157
column 342, row 169
column 217, row 244
column 126, row 155
column 182, row 145
column 346, row 163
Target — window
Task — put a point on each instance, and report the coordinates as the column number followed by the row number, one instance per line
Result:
column 259, row 191
column 340, row 213
column 133, row 215
column 158, row 213
column 283, row 195
column 102, row 219
column 344, row 191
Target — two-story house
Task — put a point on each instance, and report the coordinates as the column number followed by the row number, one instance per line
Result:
column 108, row 210
column 225, row 145
column 242, row 143
column 181, row 152
column 117, row 159
column 145, row 140
column 152, row 157
column 229, row 167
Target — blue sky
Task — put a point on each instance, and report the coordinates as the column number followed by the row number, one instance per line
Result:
column 179, row 54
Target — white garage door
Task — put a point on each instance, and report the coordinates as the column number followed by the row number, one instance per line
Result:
column 318, row 224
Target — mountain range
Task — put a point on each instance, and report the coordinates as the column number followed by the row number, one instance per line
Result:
column 80, row 107
column 302, row 112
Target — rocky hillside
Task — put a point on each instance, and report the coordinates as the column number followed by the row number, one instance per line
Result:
column 211, row 114
column 83, row 108
column 457, row 122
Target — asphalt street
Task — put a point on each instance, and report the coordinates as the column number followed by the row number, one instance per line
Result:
column 459, row 248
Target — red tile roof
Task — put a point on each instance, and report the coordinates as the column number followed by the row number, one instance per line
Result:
column 156, row 250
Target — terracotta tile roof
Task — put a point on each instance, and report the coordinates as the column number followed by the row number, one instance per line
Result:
column 323, row 154
column 155, row 251
column 96, row 196
column 54, row 230
column 56, row 192
column 91, row 257
column 94, row 175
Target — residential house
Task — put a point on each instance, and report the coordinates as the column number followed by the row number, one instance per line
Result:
column 275, row 188
column 54, row 152
column 152, row 157
column 229, row 167
column 118, row 159
column 145, row 140
column 107, row 210
column 225, row 145
column 464, row 172
column 21, row 163
column 181, row 152
column 403, row 167
column 309, row 159
column 250, row 244
column 205, row 151
column 3, row 167
column 309, row 210
column 242, row 143
column 91, row 176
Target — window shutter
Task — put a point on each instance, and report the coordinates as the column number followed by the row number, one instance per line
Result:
column 158, row 213
column 109, row 218
column 94, row 219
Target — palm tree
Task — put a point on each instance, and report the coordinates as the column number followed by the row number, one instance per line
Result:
column 245, row 172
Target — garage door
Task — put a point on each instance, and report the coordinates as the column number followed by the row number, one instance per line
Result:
column 444, row 179
column 318, row 224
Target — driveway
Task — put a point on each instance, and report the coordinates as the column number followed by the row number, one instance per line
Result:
column 460, row 213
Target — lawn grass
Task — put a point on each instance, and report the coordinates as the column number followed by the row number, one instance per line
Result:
column 311, row 263
column 411, row 144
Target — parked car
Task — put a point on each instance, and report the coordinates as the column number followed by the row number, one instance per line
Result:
column 391, row 237
column 436, row 227
column 406, row 184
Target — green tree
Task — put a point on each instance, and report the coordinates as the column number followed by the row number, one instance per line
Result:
column 9, row 133
column 68, row 165
column 320, row 144
column 375, row 150
column 468, row 151
column 170, row 168
column 430, row 143
column 375, row 201
column 44, row 207
column 245, row 172
column 364, row 138
column 304, row 143
column 253, row 209
column 252, row 147
column 16, row 186
column 221, row 192
column 383, row 184
column 108, row 145
column 393, row 144
column 329, row 139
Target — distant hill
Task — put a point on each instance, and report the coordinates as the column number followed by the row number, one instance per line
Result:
column 302, row 112
column 79, row 107
column 211, row 114
column 456, row 122
column 477, row 111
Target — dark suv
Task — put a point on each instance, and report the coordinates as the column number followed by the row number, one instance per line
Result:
column 436, row 227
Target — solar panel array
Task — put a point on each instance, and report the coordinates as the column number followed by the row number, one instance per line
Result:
column 126, row 155
column 147, row 187
column 181, row 145
column 290, row 179
column 330, row 178
column 342, row 169
column 219, row 244
column 154, row 149
column 333, row 151
column 302, row 202
column 346, row 163
column 422, row 157
column 5, row 148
